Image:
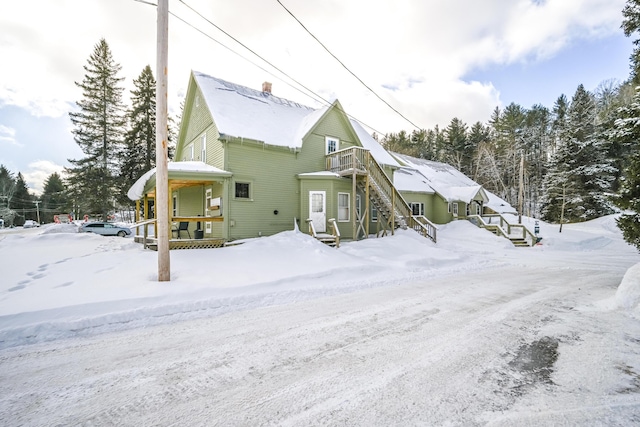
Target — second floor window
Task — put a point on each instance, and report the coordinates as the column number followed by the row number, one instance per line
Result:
column 332, row 144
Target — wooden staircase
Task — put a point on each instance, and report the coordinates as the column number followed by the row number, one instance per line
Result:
column 393, row 211
column 332, row 239
column 524, row 238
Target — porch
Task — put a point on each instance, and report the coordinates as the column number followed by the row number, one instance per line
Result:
column 183, row 233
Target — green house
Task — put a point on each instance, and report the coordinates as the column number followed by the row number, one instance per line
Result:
column 443, row 192
column 251, row 164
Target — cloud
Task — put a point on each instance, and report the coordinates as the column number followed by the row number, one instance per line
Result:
column 421, row 50
column 38, row 172
column 8, row 135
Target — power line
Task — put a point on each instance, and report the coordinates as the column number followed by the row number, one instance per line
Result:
column 318, row 98
column 345, row 67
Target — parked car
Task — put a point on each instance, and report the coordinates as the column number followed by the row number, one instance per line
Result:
column 104, row 228
column 30, row 224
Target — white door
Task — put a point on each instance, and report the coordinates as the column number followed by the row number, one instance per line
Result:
column 317, row 210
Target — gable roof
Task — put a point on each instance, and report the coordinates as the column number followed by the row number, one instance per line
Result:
column 242, row 112
column 247, row 113
column 452, row 184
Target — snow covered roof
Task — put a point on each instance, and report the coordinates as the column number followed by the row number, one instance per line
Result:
column 247, row 113
column 452, row 184
column 499, row 205
column 243, row 112
column 381, row 155
column 449, row 182
column 184, row 168
column 406, row 179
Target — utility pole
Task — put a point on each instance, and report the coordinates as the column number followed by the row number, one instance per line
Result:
column 37, row 210
column 162, row 174
column 521, row 189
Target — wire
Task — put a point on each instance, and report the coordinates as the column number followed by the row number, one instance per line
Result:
column 345, row 67
column 318, row 98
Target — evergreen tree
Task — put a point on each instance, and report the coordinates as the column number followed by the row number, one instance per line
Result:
column 23, row 201
column 458, row 150
column 98, row 130
column 139, row 154
column 7, row 189
column 631, row 25
column 580, row 173
column 54, row 198
column 626, row 133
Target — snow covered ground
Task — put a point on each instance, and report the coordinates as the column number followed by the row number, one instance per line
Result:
column 283, row 330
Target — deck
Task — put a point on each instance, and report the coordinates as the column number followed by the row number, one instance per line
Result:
column 205, row 243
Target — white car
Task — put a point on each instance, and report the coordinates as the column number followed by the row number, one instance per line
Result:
column 30, row 224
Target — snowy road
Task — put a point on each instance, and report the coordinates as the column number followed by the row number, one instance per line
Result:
column 486, row 347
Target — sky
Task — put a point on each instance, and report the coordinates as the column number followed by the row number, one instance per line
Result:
column 431, row 61
column 395, row 330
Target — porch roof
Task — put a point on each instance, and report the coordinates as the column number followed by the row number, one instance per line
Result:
column 181, row 174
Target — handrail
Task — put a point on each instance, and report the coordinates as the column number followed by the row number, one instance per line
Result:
column 347, row 159
column 335, row 231
column 360, row 159
column 423, row 226
column 508, row 233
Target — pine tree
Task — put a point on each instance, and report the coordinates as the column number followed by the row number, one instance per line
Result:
column 54, row 198
column 631, row 25
column 98, row 130
column 139, row 154
column 7, row 190
column 458, row 150
column 23, row 201
column 626, row 133
column 580, row 174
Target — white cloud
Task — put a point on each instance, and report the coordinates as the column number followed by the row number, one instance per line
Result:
column 423, row 49
column 8, row 135
column 38, row 172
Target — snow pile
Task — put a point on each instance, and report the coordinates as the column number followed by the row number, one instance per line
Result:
column 628, row 294
column 57, row 282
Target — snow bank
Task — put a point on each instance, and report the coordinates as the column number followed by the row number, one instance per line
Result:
column 628, row 294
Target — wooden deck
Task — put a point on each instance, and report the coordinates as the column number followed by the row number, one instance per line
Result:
column 206, row 243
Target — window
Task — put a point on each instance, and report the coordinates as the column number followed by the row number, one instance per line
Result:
column 455, row 209
column 191, row 151
column 343, row 206
column 174, row 205
column 374, row 214
column 207, row 201
column 332, row 144
column 242, row 190
column 358, row 203
column 417, row 209
column 478, row 208
column 203, row 148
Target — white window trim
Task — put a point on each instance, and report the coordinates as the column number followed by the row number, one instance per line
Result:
column 341, row 208
column 327, row 141
column 358, row 206
column 207, row 201
column 203, row 148
column 374, row 214
column 455, row 209
column 192, row 150
column 174, row 204
column 420, row 208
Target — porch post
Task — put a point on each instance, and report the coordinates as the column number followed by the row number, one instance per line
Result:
column 354, row 221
